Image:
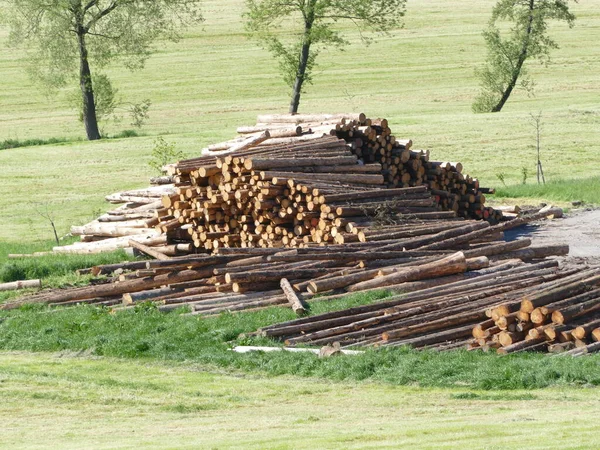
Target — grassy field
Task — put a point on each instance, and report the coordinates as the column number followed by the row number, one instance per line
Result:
column 144, row 332
column 420, row 77
column 108, row 403
column 177, row 384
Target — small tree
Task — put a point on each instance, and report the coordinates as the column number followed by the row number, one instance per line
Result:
column 527, row 39
column 66, row 38
column 537, row 123
column 313, row 28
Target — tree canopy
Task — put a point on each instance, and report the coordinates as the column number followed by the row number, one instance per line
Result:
column 527, row 39
column 295, row 31
column 65, row 38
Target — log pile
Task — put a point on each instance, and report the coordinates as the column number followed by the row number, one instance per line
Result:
column 442, row 315
column 558, row 317
column 249, row 278
column 372, row 141
column 289, row 181
column 300, row 209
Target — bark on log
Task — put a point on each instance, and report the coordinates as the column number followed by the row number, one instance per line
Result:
column 449, row 265
column 23, row 284
column 297, row 305
column 148, row 250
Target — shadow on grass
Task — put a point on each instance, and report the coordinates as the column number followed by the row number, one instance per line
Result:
column 17, row 143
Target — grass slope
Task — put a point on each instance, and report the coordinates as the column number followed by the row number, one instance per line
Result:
column 421, row 77
column 111, row 403
column 144, row 332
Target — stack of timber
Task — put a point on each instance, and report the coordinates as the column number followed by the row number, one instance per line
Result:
column 254, row 277
column 557, row 317
column 445, row 312
column 289, row 181
column 401, row 165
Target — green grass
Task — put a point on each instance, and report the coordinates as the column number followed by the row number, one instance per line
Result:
column 55, row 270
column 215, row 78
column 15, row 143
column 143, row 332
column 586, row 190
column 202, row 88
column 114, row 403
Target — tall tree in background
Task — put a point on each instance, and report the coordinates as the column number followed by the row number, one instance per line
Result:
column 527, row 39
column 65, row 38
column 312, row 25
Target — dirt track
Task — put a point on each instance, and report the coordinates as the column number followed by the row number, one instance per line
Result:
column 579, row 229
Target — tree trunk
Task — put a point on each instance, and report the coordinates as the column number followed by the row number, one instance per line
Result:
column 520, row 62
column 302, row 65
column 87, row 92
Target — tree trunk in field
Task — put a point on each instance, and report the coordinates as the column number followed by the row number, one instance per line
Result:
column 519, row 64
column 85, row 81
column 303, row 63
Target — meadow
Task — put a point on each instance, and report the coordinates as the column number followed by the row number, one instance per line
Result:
column 112, row 403
column 154, row 380
column 420, row 77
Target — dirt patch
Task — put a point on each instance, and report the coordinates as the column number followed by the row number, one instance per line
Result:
column 580, row 229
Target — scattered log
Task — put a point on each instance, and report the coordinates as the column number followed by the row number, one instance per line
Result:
column 297, row 305
column 23, row 284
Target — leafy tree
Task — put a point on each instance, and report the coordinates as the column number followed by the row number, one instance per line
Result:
column 527, row 39
column 66, row 38
column 313, row 29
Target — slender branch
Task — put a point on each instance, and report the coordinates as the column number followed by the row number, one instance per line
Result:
column 101, row 14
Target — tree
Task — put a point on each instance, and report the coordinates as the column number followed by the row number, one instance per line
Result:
column 313, row 28
column 527, row 39
column 65, row 38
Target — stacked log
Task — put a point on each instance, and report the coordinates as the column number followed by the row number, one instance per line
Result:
column 263, row 200
column 288, row 181
column 249, row 278
column 557, row 317
column 422, row 316
column 402, row 166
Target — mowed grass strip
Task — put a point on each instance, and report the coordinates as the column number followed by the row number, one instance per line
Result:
column 144, row 332
column 112, row 403
column 215, row 79
column 585, row 191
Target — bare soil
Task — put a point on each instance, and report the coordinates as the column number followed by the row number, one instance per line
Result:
column 580, row 229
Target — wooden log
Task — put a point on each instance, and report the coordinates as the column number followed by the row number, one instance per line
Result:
column 584, row 330
column 307, row 118
column 112, row 289
column 528, row 304
column 498, row 248
column 147, row 250
column 435, row 338
column 531, row 344
column 589, row 348
column 449, row 265
column 298, row 163
column 354, row 178
column 507, row 338
column 251, row 141
column 441, row 236
column 564, row 315
column 22, row 284
column 297, row 305
column 554, row 212
column 540, row 252
column 274, row 130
